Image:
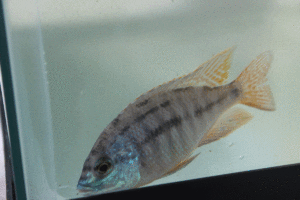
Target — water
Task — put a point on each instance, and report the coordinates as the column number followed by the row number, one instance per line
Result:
column 87, row 65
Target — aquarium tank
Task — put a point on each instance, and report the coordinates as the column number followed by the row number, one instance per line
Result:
column 70, row 68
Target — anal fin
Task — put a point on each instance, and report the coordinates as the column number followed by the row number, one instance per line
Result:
column 226, row 124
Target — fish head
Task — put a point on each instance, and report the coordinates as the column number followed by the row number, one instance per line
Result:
column 114, row 168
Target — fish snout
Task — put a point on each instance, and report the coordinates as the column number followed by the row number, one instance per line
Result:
column 82, row 186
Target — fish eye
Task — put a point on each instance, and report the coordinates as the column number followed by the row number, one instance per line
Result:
column 103, row 167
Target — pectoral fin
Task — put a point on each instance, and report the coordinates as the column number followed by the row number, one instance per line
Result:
column 181, row 165
column 178, row 167
column 226, row 124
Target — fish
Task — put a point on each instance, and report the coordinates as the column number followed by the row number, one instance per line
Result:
column 157, row 134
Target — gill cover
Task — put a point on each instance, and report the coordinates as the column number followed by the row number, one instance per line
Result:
column 123, row 172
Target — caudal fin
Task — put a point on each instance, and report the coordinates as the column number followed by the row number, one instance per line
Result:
column 256, row 92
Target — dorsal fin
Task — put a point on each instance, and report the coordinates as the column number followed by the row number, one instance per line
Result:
column 212, row 73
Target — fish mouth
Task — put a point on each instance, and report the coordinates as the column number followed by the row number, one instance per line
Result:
column 83, row 188
column 86, row 189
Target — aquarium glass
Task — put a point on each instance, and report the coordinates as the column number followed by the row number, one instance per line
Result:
column 77, row 64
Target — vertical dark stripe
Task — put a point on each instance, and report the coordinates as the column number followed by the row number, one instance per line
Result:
column 152, row 110
column 165, row 126
column 171, row 143
column 221, row 98
column 185, row 102
column 147, row 130
column 209, row 106
column 205, row 96
column 143, row 116
column 143, row 103
column 176, row 137
column 235, row 92
column 183, row 89
column 115, row 122
column 124, row 130
column 199, row 112
column 181, row 129
column 94, row 152
column 165, row 104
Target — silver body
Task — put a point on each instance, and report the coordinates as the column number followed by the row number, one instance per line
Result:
column 167, row 127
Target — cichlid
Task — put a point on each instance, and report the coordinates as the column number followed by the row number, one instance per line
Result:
column 156, row 134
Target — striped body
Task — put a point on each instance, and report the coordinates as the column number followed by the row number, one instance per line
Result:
column 167, row 127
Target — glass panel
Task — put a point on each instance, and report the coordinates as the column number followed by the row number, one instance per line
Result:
column 2, row 169
column 77, row 64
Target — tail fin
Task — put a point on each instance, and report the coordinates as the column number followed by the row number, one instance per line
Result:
column 256, row 93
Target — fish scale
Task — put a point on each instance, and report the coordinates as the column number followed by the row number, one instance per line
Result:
column 185, row 136
column 166, row 118
column 156, row 143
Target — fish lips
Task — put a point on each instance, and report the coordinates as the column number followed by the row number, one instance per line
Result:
column 83, row 187
column 88, row 185
column 87, row 189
